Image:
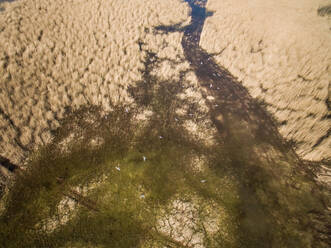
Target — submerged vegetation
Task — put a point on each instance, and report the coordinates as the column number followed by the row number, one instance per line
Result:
column 110, row 180
column 145, row 174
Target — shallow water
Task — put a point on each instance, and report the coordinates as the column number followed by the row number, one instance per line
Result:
column 152, row 184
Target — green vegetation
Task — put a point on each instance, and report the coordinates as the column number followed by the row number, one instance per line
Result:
column 148, row 181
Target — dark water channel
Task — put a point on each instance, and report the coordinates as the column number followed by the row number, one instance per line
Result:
column 231, row 98
column 263, row 160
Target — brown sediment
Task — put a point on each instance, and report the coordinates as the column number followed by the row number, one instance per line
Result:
column 278, row 52
column 245, row 127
column 230, row 97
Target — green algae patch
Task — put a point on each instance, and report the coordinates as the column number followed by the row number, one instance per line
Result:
column 116, row 195
column 114, row 180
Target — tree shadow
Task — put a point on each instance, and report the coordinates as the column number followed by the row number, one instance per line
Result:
column 324, row 10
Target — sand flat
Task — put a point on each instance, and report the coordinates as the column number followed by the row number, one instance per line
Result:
column 280, row 50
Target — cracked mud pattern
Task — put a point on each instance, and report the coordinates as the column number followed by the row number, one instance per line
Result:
column 187, row 158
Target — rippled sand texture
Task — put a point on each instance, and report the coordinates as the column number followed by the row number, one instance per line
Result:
column 60, row 54
column 281, row 52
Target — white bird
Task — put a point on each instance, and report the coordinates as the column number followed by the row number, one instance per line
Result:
column 160, row 137
column 203, row 181
column 142, row 196
column 144, row 158
column 118, row 168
